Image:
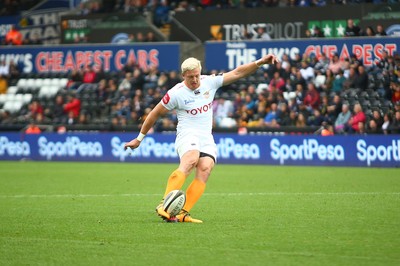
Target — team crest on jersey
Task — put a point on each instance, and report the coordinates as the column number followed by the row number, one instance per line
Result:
column 206, row 94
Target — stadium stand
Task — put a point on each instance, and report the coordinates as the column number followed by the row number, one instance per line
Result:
column 123, row 99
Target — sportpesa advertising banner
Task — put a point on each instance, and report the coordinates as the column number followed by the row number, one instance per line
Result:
column 228, row 55
column 367, row 151
column 111, row 57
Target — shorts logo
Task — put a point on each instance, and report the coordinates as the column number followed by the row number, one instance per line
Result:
column 166, row 98
column 193, row 144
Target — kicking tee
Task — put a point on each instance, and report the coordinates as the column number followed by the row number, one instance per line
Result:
column 193, row 107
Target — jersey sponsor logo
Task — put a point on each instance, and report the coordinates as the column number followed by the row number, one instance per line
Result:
column 166, row 98
column 200, row 110
column 188, row 101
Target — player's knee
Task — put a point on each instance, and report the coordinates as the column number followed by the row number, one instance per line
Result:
column 205, row 169
column 188, row 165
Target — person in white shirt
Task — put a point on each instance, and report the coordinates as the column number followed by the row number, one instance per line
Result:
column 307, row 72
column 193, row 99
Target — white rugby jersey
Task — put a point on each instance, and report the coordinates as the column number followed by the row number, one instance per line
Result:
column 194, row 108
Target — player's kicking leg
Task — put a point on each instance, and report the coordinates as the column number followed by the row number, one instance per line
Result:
column 196, row 188
column 177, row 179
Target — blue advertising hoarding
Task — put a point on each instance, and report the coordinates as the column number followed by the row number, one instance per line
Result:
column 65, row 58
column 228, row 55
column 354, row 150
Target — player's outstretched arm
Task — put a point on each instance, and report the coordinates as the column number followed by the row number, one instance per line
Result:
column 245, row 70
column 148, row 123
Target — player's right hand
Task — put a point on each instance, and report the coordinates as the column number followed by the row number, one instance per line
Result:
column 133, row 144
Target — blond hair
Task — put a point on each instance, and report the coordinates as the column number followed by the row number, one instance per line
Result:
column 190, row 64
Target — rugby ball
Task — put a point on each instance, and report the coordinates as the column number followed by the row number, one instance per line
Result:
column 174, row 202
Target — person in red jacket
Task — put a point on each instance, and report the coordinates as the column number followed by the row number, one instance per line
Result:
column 353, row 125
column 312, row 98
column 73, row 105
column 13, row 36
column 89, row 75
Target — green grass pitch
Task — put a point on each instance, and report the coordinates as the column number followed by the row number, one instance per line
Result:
column 103, row 214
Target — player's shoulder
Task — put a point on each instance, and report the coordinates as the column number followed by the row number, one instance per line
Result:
column 179, row 86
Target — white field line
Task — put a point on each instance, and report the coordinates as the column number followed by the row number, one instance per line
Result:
column 205, row 194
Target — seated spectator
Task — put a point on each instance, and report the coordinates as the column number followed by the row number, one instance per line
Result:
column 351, row 80
column 150, row 37
column 83, row 118
column 89, row 75
column 151, row 78
column 375, row 124
column 4, row 69
column 13, row 70
column 138, row 80
column 318, row 33
column 261, row 35
column 223, row 109
column 387, row 120
column 334, row 108
column 13, row 36
column 126, row 82
column 338, row 82
column 380, row 30
column 277, row 82
column 335, row 65
column 283, row 117
column 301, row 120
column 6, row 118
column 140, row 37
column 32, row 128
column 356, row 122
column 395, row 125
column 395, row 87
column 322, row 64
column 70, row 119
column 73, row 106
column 327, row 130
column 33, row 109
column 75, row 79
column 361, row 81
column 312, row 97
column 342, row 119
column 316, row 119
column 327, row 86
column 57, row 114
column 352, row 30
column 369, row 32
column 271, row 117
column 307, row 72
column 129, row 66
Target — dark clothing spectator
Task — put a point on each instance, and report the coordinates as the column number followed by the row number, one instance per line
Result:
column 361, row 80
column 351, row 29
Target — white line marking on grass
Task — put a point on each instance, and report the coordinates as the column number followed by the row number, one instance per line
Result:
column 205, row 194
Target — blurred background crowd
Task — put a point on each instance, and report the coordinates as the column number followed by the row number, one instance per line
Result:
column 338, row 96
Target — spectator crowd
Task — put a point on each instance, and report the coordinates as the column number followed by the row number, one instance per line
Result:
column 342, row 97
